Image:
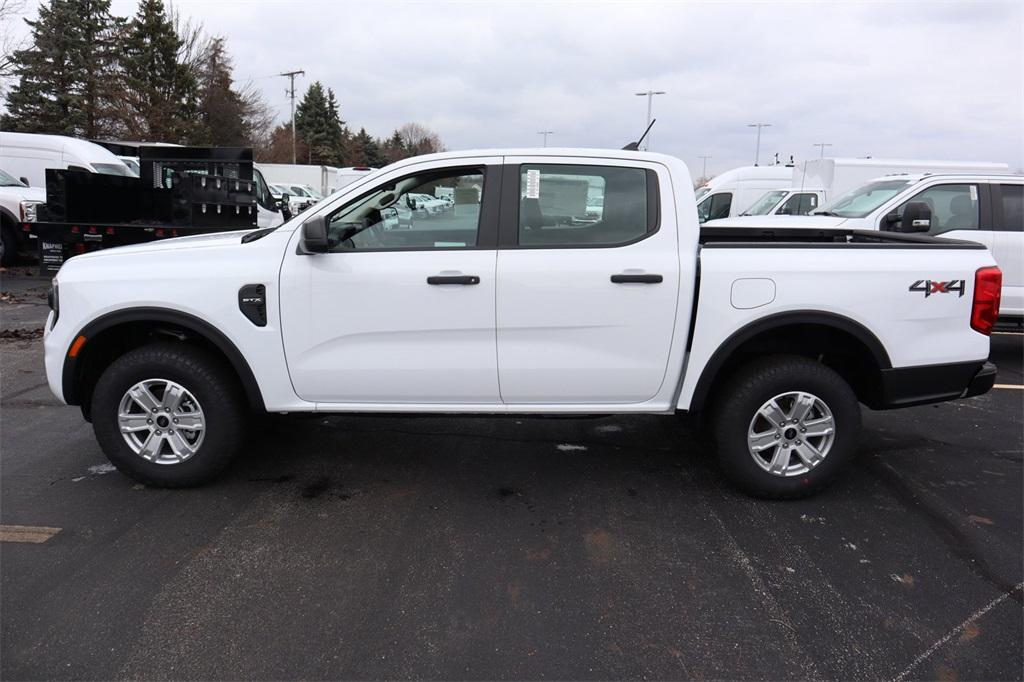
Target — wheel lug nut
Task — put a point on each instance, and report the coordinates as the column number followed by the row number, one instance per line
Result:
column 785, row 445
column 798, row 442
column 777, row 436
column 158, row 432
column 155, row 410
column 803, row 430
column 176, row 420
column 171, row 432
column 149, row 421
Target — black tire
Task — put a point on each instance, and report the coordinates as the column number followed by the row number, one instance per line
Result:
column 755, row 384
column 216, row 391
column 9, row 237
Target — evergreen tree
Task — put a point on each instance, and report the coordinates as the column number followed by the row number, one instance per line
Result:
column 68, row 77
column 318, row 122
column 161, row 93
column 394, row 148
column 366, row 150
column 222, row 111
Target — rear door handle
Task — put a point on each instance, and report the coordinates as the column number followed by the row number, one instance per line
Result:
column 453, row 279
column 636, row 279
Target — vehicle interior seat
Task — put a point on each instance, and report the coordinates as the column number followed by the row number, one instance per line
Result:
column 963, row 215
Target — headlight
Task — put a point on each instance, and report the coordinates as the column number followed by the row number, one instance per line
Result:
column 30, row 211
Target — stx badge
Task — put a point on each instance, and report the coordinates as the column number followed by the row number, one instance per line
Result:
column 930, row 287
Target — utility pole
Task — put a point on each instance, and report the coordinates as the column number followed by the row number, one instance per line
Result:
column 650, row 96
column 757, row 149
column 290, row 75
column 545, row 133
column 704, row 173
column 822, row 145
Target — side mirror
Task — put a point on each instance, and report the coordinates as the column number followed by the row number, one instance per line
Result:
column 24, row 180
column 410, row 202
column 917, row 217
column 314, row 236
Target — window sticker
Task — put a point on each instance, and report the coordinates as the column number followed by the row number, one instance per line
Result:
column 974, row 192
column 533, row 184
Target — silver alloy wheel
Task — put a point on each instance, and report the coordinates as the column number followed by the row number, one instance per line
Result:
column 161, row 421
column 791, row 434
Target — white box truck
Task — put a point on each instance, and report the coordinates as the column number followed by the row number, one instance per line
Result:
column 324, row 179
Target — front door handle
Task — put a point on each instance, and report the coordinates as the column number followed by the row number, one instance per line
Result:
column 636, row 279
column 453, row 279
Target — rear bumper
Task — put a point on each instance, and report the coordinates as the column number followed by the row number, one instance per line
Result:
column 908, row 386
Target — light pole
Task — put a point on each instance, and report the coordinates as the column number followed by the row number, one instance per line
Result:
column 545, row 133
column 704, row 173
column 757, row 149
column 290, row 75
column 822, row 145
column 650, row 96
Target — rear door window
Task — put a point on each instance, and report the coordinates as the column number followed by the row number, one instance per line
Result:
column 569, row 206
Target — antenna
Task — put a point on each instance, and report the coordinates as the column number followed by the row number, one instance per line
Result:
column 635, row 146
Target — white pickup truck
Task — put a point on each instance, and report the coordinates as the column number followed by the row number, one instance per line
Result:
column 494, row 307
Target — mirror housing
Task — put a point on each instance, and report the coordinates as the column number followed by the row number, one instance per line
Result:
column 314, row 236
column 24, row 181
column 917, row 217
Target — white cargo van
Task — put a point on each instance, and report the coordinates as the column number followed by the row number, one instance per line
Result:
column 734, row 191
column 27, row 156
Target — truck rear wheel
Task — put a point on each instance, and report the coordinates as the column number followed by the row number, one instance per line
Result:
column 784, row 426
column 168, row 415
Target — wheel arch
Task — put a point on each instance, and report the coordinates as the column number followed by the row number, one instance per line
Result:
column 123, row 330
column 844, row 344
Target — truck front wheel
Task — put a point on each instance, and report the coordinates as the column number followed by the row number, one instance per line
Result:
column 168, row 415
column 784, row 426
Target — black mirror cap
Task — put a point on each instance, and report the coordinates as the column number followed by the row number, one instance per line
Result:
column 24, row 180
column 314, row 236
column 917, row 217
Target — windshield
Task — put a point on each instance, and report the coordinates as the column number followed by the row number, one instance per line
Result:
column 9, row 181
column 862, row 201
column 313, row 193
column 114, row 169
column 766, row 203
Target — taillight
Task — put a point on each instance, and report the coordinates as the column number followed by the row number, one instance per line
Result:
column 988, row 285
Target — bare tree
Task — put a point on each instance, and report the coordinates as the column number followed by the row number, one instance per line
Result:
column 418, row 139
column 10, row 12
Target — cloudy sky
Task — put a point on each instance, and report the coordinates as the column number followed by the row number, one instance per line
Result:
column 939, row 80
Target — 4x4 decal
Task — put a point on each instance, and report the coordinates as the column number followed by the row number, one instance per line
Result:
column 930, row 287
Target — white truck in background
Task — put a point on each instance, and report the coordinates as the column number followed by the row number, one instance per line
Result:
column 502, row 308
column 983, row 208
column 818, row 181
column 731, row 192
column 323, row 179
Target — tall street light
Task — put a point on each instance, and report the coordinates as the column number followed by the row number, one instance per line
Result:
column 290, row 75
column 650, row 96
column 822, row 145
column 757, row 149
column 704, row 173
column 545, row 133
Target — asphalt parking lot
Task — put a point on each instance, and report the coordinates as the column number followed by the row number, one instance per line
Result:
column 508, row 548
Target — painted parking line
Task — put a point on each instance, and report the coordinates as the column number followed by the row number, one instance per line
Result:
column 1015, row 387
column 33, row 534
